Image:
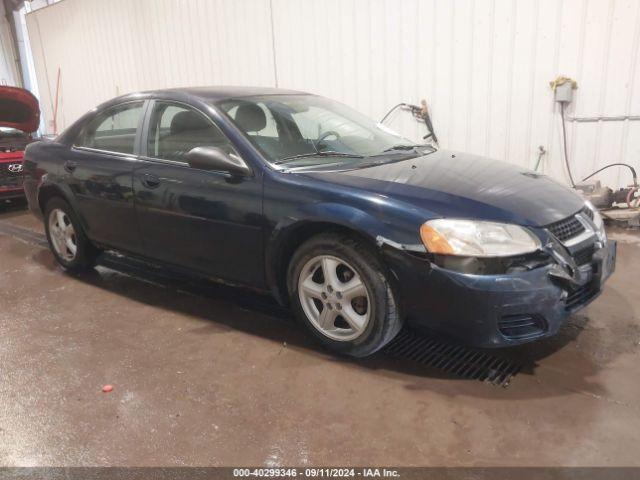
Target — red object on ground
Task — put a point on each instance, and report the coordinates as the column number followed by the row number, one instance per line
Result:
column 107, row 388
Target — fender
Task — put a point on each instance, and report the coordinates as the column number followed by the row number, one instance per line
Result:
column 314, row 218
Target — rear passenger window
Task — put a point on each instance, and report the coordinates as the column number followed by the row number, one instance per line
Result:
column 174, row 130
column 113, row 130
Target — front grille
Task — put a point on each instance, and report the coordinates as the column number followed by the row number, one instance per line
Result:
column 580, row 296
column 519, row 327
column 11, row 182
column 584, row 255
column 9, row 178
column 566, row 229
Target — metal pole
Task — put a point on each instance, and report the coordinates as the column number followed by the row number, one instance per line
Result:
column 618, row 118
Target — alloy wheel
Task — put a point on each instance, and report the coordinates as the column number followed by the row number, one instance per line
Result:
column 334, row 298
column 63, row 235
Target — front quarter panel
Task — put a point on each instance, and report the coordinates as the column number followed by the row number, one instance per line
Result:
column 291, row 198
column 293, row 202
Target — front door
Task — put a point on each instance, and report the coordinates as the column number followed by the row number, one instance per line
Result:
column 198, row 219
column 99, row 170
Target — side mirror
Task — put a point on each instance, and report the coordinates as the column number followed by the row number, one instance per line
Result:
column 214, row 158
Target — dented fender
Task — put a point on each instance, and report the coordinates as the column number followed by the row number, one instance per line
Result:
column 310, row 214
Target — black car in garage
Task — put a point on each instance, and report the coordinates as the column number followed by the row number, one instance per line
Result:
column 359, row 229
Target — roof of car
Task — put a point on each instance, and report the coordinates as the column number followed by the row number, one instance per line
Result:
column 203, row 94
column 216, row 93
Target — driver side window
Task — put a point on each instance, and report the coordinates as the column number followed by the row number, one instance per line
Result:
column 176, row 129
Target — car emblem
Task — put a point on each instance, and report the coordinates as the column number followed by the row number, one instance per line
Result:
column 15, row 167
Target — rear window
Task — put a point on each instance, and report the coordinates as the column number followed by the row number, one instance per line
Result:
column 113, row 130
column 6, row 132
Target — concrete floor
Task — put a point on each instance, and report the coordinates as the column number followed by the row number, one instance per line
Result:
column 223, row 377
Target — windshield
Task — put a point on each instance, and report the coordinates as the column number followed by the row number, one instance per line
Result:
column 298, row 131
column 10, row 132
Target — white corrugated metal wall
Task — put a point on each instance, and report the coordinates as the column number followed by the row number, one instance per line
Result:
column 483, row 65
column 9, row 74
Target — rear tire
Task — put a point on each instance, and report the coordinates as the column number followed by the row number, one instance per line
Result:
column 67, row 240
column 339, row 290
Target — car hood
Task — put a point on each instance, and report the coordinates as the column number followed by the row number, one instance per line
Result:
column 454, row 184
column 19, row 109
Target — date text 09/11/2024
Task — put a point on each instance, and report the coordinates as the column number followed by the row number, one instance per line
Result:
column 317, row 472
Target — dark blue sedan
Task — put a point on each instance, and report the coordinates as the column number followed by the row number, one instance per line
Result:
column 358, row 229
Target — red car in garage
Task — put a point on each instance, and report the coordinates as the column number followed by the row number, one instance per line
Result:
column 19, row 118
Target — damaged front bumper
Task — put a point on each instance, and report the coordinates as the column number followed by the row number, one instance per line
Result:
column 499, row 310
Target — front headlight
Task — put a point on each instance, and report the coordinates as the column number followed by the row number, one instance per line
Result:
column 598, row 222
column 473, row 238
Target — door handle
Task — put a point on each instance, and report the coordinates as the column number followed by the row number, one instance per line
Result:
column 150, row 181
column 70, row 166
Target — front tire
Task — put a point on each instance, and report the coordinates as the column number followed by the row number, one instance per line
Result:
column 67, row 240
column 339, row 290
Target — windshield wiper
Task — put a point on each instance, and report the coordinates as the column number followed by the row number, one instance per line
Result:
column 328, row 153
column 402, row 147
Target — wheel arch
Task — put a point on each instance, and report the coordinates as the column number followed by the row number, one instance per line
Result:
column 288, row 236
column 47, row 191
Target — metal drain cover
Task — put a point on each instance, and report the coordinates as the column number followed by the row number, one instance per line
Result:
column 454, row 359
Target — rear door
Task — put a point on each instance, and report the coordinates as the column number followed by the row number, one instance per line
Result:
column 203, row 220
column 99, row 170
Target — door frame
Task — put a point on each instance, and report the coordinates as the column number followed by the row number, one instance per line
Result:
column 143, row 141
column 131, row 159
column 145, row 160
